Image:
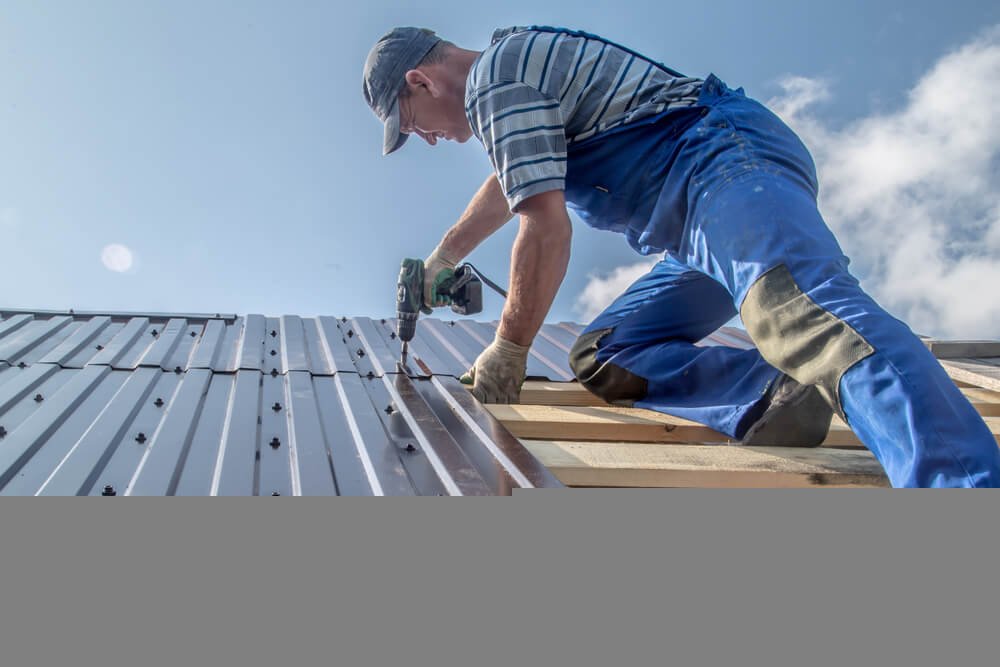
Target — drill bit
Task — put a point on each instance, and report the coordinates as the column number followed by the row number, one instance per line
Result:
column 406, row 348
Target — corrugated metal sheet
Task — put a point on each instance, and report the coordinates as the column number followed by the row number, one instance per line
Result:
column 159, row 404
column 320, row 346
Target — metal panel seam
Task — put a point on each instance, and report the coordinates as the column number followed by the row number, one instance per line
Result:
column 512, row 469
column 432, row 456
column 293, row 454
column 359, row 443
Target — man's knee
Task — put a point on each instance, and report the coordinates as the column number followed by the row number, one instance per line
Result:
column 799, row 337
column 607, row 380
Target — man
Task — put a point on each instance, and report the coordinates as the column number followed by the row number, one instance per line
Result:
column 718, row 184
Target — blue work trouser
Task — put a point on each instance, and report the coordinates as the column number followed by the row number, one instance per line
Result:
column 728, row 192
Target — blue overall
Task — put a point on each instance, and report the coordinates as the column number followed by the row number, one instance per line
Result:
column 727, row 191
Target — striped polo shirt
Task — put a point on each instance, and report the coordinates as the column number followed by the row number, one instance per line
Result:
column 534, row 92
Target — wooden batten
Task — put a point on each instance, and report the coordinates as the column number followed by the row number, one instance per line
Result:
column 635, row 425
column 647, row 465
column 986, row 402
column 984, row 373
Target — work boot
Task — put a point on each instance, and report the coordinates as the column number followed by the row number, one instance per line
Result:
column 798, row 416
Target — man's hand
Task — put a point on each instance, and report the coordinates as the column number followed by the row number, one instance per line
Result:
column 499, row 372
column 437, row 269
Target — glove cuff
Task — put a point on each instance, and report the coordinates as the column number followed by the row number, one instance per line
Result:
column 510, row 349
column 439, row 256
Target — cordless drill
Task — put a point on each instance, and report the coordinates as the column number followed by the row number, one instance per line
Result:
column 464, row 289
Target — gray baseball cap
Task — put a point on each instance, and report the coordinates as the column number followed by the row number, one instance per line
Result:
column 396, row 53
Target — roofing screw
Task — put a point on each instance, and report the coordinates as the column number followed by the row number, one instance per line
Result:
column 193, row 334
column 38, row 398
column 141, row 438
column 389, row 409
column 370, row 375
column 276, row 407
column 343, row 319
column 275, row 443
column 273, row 333
column 158, row 402
column 452, row 323
column 383, row 320
column 274, row 372
column 100, row 347
column 177, row 369
column 3, row 432
column 361, row 352
column 350, row 333
column 273, row 352
column 275, row 493
column 409, row 447
column 392, row 335
column 109, row 491
column 155, row 333
column 22, row 365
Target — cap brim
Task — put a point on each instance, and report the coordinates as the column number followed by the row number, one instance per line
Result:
column 393, row 138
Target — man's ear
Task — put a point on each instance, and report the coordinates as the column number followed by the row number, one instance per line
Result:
column 417, row 79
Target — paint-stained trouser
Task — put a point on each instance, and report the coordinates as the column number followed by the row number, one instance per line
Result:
column 728, row 192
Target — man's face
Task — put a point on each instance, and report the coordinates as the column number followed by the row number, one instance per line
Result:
column 432, row 112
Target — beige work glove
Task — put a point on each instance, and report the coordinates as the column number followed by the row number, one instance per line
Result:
column 437, row 269
column 499, row 372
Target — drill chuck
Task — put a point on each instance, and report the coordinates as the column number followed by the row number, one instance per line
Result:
column 406, row 326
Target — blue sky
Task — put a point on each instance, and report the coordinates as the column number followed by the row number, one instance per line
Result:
column 228, row 147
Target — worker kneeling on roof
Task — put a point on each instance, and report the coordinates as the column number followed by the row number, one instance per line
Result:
column 712, row 180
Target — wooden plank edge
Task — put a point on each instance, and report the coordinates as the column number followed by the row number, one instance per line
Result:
column 627, row 464
column 953, row 349
column 636, row 425
column 965, row 370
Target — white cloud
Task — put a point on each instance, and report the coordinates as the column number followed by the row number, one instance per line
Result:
column 117, row 257
column 602, row 289
column 913, row 195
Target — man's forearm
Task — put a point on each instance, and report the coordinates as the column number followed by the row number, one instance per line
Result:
column 538, row 266
column 486, row 213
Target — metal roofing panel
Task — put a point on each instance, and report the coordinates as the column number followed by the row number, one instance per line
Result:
column 18, row 383
column 22, row 443
column 81, row 458
column 252, row 343
column 370, row 347
column 558, row 336
column 16, row 345
column 235, row 463
column 123, row 341
column 159, row 404
column 294, row 356
column 83, row 335
column 209, row 344
column 64, row 455
column 12, row 323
